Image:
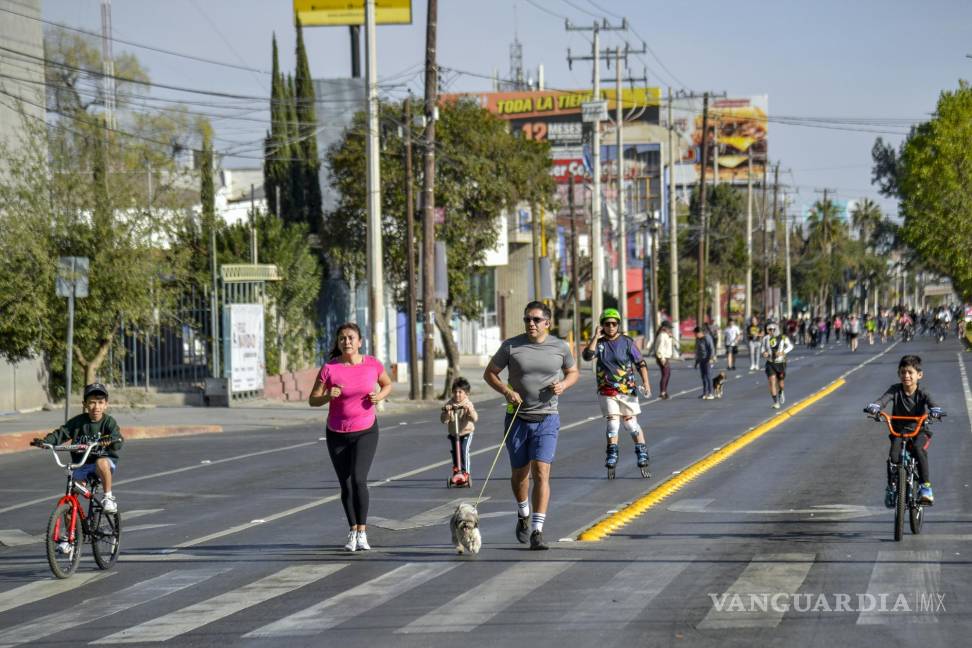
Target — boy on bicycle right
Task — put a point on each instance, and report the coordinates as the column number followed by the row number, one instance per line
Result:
column 908, row 400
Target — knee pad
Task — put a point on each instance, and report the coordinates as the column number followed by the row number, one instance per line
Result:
column 632, row 427
column 613, row 425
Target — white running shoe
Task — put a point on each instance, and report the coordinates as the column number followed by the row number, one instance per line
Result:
column 64, row 547
column 352, row 544
column 109, row 504
column 363, row 541
column 776, row 405
column 782, row 398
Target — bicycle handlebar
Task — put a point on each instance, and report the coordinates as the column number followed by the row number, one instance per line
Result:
column 87, row 447
column 921, row 421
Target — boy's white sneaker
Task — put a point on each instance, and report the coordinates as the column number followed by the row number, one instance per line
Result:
column 109, row 504
column 352, row 543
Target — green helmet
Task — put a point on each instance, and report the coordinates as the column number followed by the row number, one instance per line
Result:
column 610, row 313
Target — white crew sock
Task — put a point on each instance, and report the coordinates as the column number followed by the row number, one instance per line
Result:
column 538, row 519
column 523, row 508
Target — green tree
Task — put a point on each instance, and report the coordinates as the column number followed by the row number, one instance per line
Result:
column 309, row 161
column 481, row 170
column 291, row 318
column 931, row 176
column 866, row 217
column 79, row 188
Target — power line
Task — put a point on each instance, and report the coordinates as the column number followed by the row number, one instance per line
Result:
column 152, row 48
column 545, row 10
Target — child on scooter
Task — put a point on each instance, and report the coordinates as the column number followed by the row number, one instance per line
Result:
column 459, row 413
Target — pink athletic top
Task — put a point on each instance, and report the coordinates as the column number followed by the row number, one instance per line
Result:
column 352, row 411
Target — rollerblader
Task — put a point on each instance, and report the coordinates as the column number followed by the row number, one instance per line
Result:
column 618, row 361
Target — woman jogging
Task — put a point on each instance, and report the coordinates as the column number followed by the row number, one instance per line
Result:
column 351, row 384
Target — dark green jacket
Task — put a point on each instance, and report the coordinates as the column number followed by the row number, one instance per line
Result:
column 81, row 429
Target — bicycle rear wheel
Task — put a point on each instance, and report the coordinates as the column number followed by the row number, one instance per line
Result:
column 63, row 559
column 899, row 509
column 105, row 531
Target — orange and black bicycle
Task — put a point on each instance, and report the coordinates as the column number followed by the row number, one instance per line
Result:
column 904, row 472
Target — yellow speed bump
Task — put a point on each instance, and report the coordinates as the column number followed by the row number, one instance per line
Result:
column 618, row 519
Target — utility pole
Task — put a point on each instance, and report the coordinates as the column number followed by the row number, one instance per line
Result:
column 622, row 224
column 597, row 257
column 376, row 276
column 428, row 207
column 703, row 232
column 535, row 246
column 253, row 234
column 776, row 194
column 672, row 224
column 574, row 274
column 765, row 220
column 748, row 311
column 622, row 230
column 413, row 368
column 107, row 65
column 786, row 244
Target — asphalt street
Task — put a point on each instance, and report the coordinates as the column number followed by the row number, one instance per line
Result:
column 236, row 538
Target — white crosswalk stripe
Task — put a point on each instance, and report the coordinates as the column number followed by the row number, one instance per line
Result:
column 914, row 575
column 40, row 590
column 353, row 602
column 765, row 576
column 98, row 608
column 195, row 616
column 631, row 591
column 478, row 605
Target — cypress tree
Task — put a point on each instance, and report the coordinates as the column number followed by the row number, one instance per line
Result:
column 277, row 149
column 295, row 162
column 307, row 134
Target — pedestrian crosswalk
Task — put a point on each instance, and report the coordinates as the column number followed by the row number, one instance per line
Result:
column 458, row 595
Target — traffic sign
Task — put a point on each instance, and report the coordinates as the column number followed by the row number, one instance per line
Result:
column 72, row 277
column 594, row 111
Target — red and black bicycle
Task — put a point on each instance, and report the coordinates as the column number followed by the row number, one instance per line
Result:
column 69, row 525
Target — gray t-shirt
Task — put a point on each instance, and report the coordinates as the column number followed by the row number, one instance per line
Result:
column 532, row 367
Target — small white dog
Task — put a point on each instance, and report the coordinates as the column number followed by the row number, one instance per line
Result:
column 465, row 529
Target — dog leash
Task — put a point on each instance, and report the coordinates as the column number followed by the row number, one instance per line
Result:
column 496, row 458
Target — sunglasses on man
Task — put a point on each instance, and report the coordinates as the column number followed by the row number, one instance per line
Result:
column 609, row 323
column 535, row 320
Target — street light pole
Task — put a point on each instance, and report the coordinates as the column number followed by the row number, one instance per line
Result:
column 376, row 301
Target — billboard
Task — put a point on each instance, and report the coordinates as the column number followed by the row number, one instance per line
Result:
column 243, row 346
column 737, row 126
column 555, row 115
column 351, row 12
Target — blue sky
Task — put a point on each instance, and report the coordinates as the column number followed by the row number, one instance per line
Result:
column 866, row 59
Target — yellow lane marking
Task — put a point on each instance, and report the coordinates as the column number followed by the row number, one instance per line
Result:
column 615, row 521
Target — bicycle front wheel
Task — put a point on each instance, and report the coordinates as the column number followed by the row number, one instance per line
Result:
column 63, row 553
column 899, row 509
column 105, row 531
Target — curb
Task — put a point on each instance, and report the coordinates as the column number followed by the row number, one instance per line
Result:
column 611, row 523
column 18, row 441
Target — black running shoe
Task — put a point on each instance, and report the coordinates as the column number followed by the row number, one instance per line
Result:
column 522, row 529
column 536, row 541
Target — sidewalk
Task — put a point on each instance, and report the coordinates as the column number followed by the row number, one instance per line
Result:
column 157, row 421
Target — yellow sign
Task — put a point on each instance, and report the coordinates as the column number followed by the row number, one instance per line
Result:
column 352, row 12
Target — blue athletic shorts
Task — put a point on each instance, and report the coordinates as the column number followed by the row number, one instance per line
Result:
column 532, row 441
column 84, row 472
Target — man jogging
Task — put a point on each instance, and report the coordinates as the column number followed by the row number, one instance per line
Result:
column 540, row 367
column 618, row 363
column 774, row 349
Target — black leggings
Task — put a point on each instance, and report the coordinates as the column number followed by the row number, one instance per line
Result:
column 352, row 454
column 919, row 448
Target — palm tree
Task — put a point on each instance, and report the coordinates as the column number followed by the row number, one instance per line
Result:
column 866, row 216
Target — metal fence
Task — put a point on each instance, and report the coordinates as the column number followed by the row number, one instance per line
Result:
column 172, row 354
